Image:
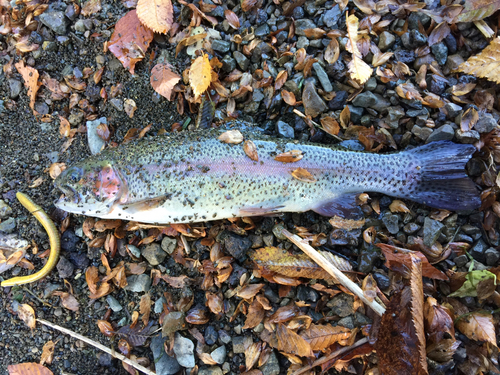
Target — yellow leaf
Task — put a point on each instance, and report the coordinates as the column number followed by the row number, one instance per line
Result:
column 200, row 75
column 486, row 64
column 158, row 15
column 358, row 69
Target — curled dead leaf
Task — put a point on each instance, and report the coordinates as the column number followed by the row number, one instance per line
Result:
column 303, row 175
column 251, row 150
column 231, row 136
column 289, row 156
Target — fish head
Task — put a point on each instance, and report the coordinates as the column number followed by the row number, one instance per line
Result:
column 91, row 188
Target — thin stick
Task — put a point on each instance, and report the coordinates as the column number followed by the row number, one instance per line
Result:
column 330, row 356
column 99, row 346
column 186, row 245
column 332, row 270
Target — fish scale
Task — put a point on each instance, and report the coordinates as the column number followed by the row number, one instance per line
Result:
column 192, row 177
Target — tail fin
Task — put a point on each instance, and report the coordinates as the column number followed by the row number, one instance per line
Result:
column 443, row 182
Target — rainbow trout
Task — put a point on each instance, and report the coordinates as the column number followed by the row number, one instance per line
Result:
column 192, row 177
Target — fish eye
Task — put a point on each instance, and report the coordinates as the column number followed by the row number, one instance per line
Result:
column 75, row 175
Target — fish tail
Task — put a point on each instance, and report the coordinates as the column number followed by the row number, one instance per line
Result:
column 442, row 181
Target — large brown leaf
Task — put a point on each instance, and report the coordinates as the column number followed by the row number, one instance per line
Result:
column 478, row 326
column 441, row 343
column 158, row 15
column 476, row 10
column 401, row 342
column 290, row 342
column 486, row 64
column 320, row 337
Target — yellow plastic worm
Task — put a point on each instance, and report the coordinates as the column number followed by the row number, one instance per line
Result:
column 54, row 239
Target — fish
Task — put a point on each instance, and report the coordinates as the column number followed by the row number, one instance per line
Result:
column 192, row 176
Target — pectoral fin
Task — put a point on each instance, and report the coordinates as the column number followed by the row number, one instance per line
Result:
column 344, row 206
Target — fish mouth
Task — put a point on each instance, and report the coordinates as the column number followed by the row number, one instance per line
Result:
column 70, row 195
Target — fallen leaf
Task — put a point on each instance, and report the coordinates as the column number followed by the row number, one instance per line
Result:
column 291, row 342
column 252, row 355
column 288, row 97
column 47, row 352
column 358, row 69
column 91, row 7
column 28, row 368
column 56, row 169
column 303, row 175
column 441, row 342
column 462, row 88
column 478, row 326
column 232, row 19
column 345, row 117
column 197, row 315
column 106, row 328
column 485, row 64
column 231, row 136
column 249, row 291
column 68, row 300
column 280, row 79
column 347, row 224
column 129, row 106
column 200, row 75
column 320, row 337
column 477, row 10
column 130, row 40
column 332, row 51
column 64, row 127
column 314, row 33
column 473, row 282
column 251, row 150
column 145, row 308
column 408, row 91
column 441, row 31
column 369, row 287
column 255, row 315
column 158, row 15
column 27, row 315
column 163, row 80
column 30, row 77
column 289, row 156
column 398, row 206
column 178, row 282
column 247, row 5
column 330, row 125
column 469, row 119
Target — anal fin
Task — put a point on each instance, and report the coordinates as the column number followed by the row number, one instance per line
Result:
column 260, row 211
column 343, row 206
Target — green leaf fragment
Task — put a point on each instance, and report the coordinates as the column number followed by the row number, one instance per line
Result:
column 472, row 282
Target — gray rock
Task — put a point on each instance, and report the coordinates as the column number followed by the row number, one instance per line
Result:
column 302, row 42
column 371, row 84
column 303, row 24
column 391, row 222
column 452, row 63
column 313, row 103
column 342, row 305
column 257, row 95
column 65, row 268
column 80, row 27
column 339, row 101
column 96, row 143
column 443, row 133
column 368, row 255
column 164, row 364
column 241, row 343
column 440, row 52
column 478, row 251
column 113, row 304
column 219, row 354
column 154, row 254
column 486, row 123
column 117, row 103
column 369, row 99
column 168, row 244
column 241, row 60
column 272, row 366
column 332, row 16
column 468, row 137
column 158, row 306
column 15, row 88
column 383, row 281
column 323, row 77
column 184, row 351
column 432, row 230
column 421, row 132
column 55, row 20
column 138, row 283
column 284, row 130
column 394, row 114
column 356, row 113
column 228, row 64
column 461, row 260
column 234, row 244
column 411, row 228
column 5, row 210
column 261, row 52
column 262, row 31
column 221, row 46
column 8, row 226
column 134, row 250
column 386, row 40
column 347, row 322
column 491, row 256
column 212, row 370
column 211, row 335
column 453, row 110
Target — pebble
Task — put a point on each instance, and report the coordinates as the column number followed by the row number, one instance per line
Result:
column 440, row 52
column 478, row 250
column 284, row 130
column 411, row 228
column 386, row 40
column 303, row 24
column 96, row 143
column 368, row 255
column 453, row 110
column 138, row 283
column 117, row 103
column 405, row 56
column 342, row 305
column 80, row 260
column 168, row 244
column 240, row 343
column 313, row 103
column 332, row 16
column 485, row 124
column 158, row 306
column 5, row 210
column 184, row 351
column 461, row 260
column 219, row 354
column 394, row 114
column 305, row 293
column 212, row 370
column 228, row 64
column 154, row 254
column 241, row 60
column 173, row 322
column 467, row 137
column 347, row 322
column 80, row 27
column 15, row 88
column 369, row 99
column 443, row 133
column 55, row 20
column 211, row 335
column 221, row 46
column 164, row 364
column 339, row 101
column 342, row 237
column 225, row 338
column 432, row 230
column 65, row 268
column 452, row 63
column 322, row 77
column 262, row 31
column 113, row 303
column 272, row 366
column 8, row 226
column 356, row 113
column 421, row 133
column 234, row 244
column 391, row 222
column 382, row 280
column 491, row 256
column 302, row 42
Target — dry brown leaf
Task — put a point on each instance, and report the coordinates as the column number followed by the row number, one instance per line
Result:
column 462, row 88
column 347, row 224
column 486, row 64
column 320, row 337
column 247, row 5
column 330, row 125
column 408, row 91
column 398, row 206
column 130, row 40
column 280, row 79
column 252, row 354
column 332, row 51
column 358, row 69
column 68, row 300
column 366, row 6
column 232, row 19
column 129, row 106
column 200, row 75
column 56, row 169
column 369, row 287
column 478, row 326
column 315, row 33
column 91, row 7
column 440, row 32
column 469, row 119
column 27, row 315
column 158, row 15
column 288, row 97
column 64, row 127
column 177, row 282
column 163, row 80
column 441, row 343
column 255, row 315
column 290, row 342
column 47, row 352
column 476, row 10
column 231, row 136
column 28, row 368
column 249, row 291
column 289, row 156
column 215, row 303
column 303, row 175
column 345, row 117
column 106, row 328
column 145, row 308
column 30, row 77
column 251, row 150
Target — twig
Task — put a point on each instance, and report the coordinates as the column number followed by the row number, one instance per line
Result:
column 187, row 249
column 334, row 271
column 330, row 356
column 99, row 346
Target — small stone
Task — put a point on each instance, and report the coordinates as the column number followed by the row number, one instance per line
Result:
column 486, row 123
column 284, row 130
column 241, row 60
column 5, row 210
column 15, row 88
column 369, row 99
column 158, row 306
column 405, row 56
column 422, row 60
column 346, row 322
column 113, row 304
column 356, row 113
column 262, row 31
column 55, row 20
column 234, row 244
column 240, row 343
column 339, row 101
column 332, row 16
column 323, row 77
column 468, row 137
column 117, row 103
column 164, row 364
column 228, row 64
column 272, row 366
column 168, row 244
column 96, row 143
column 452, row 63
column 302, row 25
column 138, row 283
column 211, row 335
column 212, row 370
column 65, row 268
column 93, row 93
column 342, row 305
column 302, row 42
column 371, row 84
column 257, row 95
column 421, row 132
column 478, row 251
column 443, row 133
column 491, row 256
column 461, row 260
column 432, row 230
column 440, row 52
column 342, row 237
column 394, row 114
column 386, row 40
column 391, row 222
column 313, row 103
column 221, row 46
column 382, row 280
column 80, row 27
column 219, row 354
column 453, row 110
column 411, row 228
column 154, row 254
column 8, row 226
column 225, row 338
column 184, row 351
column 305, row 293
column 134, row 250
